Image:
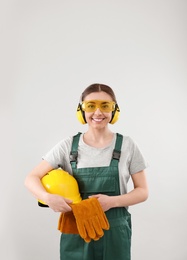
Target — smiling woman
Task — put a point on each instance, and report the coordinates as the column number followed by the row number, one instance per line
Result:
column 105, row 102
column 102, row 162
column 96, row 114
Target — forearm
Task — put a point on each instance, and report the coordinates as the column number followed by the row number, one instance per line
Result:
column 135, row 196
column 34, row 185
column 33, row 180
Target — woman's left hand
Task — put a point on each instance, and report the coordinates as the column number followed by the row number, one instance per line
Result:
column 104, row 200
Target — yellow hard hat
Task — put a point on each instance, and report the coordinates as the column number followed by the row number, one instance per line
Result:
column 62, row 183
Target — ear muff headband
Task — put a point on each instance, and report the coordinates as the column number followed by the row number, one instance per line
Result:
column 81, row 115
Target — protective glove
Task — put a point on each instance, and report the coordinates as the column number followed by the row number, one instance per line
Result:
column 67, row 223
column 90, row 219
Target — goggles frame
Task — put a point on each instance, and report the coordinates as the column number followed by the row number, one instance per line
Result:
column 104, row 106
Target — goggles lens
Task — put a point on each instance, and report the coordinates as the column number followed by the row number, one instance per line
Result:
column 103, row 105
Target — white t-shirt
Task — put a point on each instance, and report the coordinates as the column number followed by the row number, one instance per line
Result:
column 131, row 159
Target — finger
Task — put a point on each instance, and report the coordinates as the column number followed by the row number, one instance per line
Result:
column 94, row 196
column 90, row 229
column 87, row 239
column 82, row 230
column 97, row 226
column 68, row 201
column 101, row 215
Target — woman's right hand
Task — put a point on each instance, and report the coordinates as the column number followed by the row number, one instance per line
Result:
column 58, row 203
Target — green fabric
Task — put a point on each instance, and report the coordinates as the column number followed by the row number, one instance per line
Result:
column 116, row 242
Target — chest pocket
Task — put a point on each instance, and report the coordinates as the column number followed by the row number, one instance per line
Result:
column 102, row 184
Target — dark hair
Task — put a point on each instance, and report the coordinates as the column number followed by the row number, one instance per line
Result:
column 96, row 87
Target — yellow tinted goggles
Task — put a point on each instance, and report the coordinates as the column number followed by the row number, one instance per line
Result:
column 103, row 105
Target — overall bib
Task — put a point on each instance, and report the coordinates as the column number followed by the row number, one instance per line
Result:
column 116, row 242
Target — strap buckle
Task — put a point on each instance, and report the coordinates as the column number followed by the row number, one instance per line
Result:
column 116, row 154
column 73, row 157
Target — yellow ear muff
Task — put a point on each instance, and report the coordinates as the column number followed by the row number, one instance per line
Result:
column 80, row 115
column 115, row 115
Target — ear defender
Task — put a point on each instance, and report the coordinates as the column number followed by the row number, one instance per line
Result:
column 80, row 115
column 115, row 115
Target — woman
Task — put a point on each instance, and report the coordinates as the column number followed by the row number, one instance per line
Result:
column 105, row 162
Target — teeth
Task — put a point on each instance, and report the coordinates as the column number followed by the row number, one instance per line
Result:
column 97, row 119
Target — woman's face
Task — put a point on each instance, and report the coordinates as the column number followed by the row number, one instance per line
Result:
column 98, row 119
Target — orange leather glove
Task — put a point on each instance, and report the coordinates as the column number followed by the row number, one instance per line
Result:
column 90, row 219
column 67, row 223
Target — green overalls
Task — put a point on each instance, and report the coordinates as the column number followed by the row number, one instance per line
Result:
column 116, row 242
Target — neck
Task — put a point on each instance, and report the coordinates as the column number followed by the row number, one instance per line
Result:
column 98, row 138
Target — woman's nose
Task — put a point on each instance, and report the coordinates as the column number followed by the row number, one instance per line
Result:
column 98, row 111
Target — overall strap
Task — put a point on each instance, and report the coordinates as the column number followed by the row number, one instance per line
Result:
column 74, row 150
column 115, row 156
column 117, row 150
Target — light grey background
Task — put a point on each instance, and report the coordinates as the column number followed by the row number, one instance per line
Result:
column 50, row 51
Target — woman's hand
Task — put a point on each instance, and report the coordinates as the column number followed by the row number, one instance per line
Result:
column 33, row 183
column 137, row 195
column 105, row 201
column 58, row 203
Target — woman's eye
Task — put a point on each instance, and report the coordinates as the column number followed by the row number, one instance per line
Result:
column 105, row 106
column 90, row 105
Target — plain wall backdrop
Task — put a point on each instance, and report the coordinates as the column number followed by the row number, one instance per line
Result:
column 49, row 52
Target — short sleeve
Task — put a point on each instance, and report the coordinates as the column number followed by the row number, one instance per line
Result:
column 137, row 161
column 58, row 156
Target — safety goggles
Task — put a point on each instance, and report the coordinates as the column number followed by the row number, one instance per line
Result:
column 93, row 105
